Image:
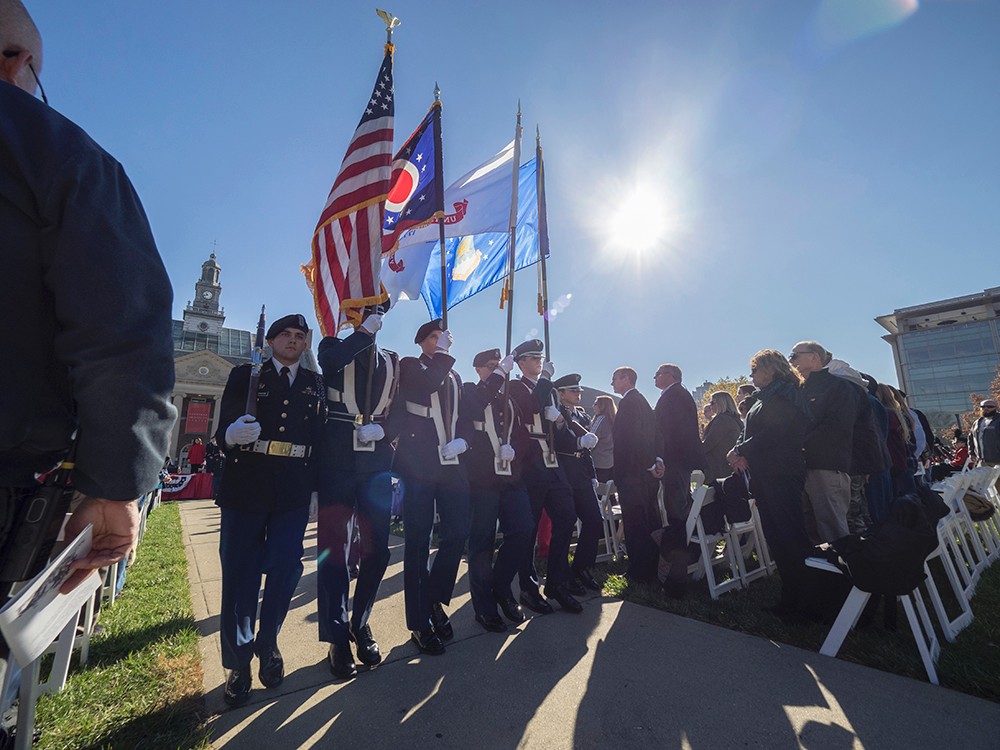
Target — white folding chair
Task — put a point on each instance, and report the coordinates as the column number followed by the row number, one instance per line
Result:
column 956, row 532
column 709, row 560
column 753, row 546
column 950, row 626
column 983, row 482
column 923, row 631
column 611, row 515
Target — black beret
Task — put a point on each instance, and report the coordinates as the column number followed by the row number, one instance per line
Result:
column 569, row 382
column 289, row 321
column 427, row 329
column 530, row 348
column 484, row 358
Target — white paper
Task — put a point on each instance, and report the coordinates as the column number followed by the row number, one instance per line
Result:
column 34, row 617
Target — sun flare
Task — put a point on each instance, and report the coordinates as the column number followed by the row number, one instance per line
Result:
column 642, row 218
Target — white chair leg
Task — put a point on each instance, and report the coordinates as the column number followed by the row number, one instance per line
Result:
column 845, row 621
column 28, row 694
column 927, row 645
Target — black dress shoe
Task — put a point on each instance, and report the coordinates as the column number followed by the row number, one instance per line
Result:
column 511, row 609
column 534, row 601
column 674, row 589
column 341, row 662
column 586, row 578
column 368, row 653
column 272, row 668
column 238, row 687
column 492, row 623
column 441, row 623
column 565, row 599
column 427, row 641
column 575, row 588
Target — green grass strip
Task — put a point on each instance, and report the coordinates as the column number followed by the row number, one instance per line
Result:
column 142, row 686
column 970, row 665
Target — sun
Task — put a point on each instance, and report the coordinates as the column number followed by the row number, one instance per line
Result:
column 642, row 218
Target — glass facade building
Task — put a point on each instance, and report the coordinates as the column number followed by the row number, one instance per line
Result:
column 945, row 351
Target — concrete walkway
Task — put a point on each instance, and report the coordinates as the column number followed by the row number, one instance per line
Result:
column 617, row 676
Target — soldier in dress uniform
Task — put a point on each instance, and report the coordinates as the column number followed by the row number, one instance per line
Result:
column 355, row 488
column 269, row 479
column 431, row 430
column 573, row 441
column 544, row 477
column 497, row 493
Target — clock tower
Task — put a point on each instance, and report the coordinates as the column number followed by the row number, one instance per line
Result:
column 204, row 315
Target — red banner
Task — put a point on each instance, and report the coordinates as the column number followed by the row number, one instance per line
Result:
column 197, row 418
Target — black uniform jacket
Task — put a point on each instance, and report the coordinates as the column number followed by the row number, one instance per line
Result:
column 576, row 461
column 479, row 460
column 417, row 450
column 267, row 483
column 635, row 437
column 338, row 438
column 84, row 295
column 531, row 400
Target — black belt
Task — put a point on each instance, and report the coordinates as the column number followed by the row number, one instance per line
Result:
column 577, row 454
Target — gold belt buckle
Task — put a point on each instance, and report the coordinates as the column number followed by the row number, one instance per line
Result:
column 278, row 448
column 359, row 419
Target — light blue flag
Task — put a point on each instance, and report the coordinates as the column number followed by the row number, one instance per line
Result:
column 477, row 261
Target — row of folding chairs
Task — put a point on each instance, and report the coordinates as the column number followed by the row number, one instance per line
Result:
column 75, row 636
column 965, row 548
column 727, row 560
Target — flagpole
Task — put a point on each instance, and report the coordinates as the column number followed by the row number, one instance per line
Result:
column 512, row 228
column 439, row 178
column 508, row 293
column 543, row 243
column 391, row 22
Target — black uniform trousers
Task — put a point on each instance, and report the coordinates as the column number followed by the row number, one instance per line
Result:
column 425, row 583
column 588, row 510
column 548, row 490
column 640, row 518
column 508, row 503
column 252, row 544
column 350, row 500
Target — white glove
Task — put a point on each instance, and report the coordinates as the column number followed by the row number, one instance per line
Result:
column 506, row 365
column 243, row 431
column 506, row 453
column 548, row 369
column 372, row 324
column 552, row 413
column 444, row 343
column 368, row 433
column 455, row 448
column 587, row 440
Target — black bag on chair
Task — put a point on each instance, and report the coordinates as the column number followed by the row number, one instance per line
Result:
column 889, row 559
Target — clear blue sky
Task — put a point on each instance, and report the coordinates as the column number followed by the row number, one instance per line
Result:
column 778, row 170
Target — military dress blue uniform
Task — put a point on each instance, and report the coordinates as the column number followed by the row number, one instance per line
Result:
column 355, row 485
column 264, row 498
column 581, row 475
column 495, row 496
column 548, row 489
column 430, row 413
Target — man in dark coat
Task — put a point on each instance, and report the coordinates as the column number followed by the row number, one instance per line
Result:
column 832, row 406
column 545, row 478
column 269, row 480
column 355, row 487
column 681, row 451
column 432, row 434
column 635, row 469
column 498, row 493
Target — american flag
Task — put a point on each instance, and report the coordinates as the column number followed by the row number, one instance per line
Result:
column 347, row 244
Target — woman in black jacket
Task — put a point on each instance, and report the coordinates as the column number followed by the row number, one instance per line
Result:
column 770, row 449
column 721, row 435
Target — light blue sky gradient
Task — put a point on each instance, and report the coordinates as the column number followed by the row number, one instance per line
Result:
column 817, row 163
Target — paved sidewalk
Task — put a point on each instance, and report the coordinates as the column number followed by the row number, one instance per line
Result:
column 617, row 676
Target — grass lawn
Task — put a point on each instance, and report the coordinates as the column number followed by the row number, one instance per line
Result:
column 142, row 687
column 970, row 665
